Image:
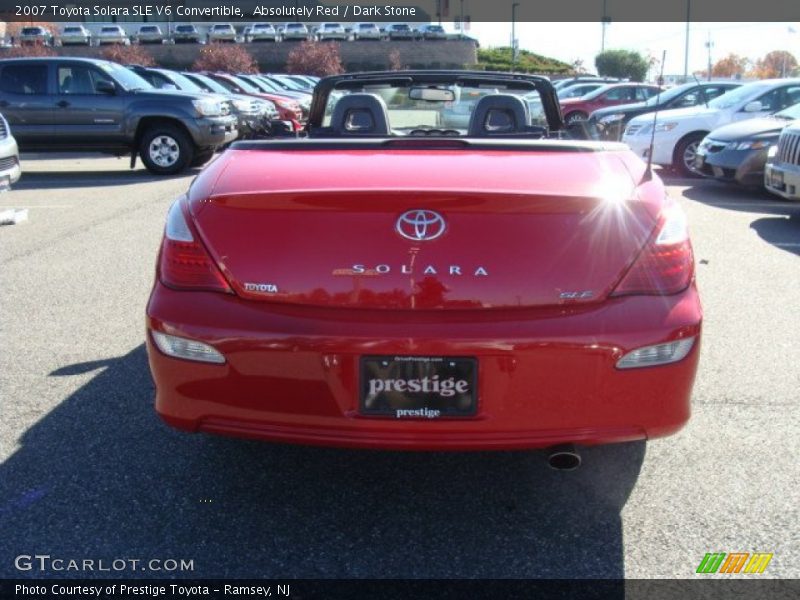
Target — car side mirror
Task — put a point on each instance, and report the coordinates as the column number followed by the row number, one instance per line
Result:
column 105, row 87
column 754, row 106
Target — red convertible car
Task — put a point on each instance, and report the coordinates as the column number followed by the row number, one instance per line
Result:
column 382, row 282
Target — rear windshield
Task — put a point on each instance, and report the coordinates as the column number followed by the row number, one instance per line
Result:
column 185, row 28
column 149, row 29
column 32, row 30
column 110, row 30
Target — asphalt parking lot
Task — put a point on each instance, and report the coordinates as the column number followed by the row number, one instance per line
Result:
column 89, row 471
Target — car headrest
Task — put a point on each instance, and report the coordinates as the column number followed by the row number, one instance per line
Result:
column 359, row 114
column 499, row 114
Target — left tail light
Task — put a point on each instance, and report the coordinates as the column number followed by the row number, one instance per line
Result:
column 184, row 263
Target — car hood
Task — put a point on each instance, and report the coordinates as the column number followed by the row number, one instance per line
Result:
column 174, row 94
column 748, row 129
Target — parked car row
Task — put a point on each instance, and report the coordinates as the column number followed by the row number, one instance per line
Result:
column 170, row 120
column 76, row 34
column 743, row 133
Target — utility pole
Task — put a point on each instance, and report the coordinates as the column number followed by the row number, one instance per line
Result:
column 605, row 23
column 709, row 45
column 686, row 49
column 514, row 47
column 461, row 20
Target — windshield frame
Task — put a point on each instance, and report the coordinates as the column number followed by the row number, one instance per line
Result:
column 510, row 81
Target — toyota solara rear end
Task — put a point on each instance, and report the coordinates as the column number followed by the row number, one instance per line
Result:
column 412, row 293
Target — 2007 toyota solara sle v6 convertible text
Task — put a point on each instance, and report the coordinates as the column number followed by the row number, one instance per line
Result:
column 385, row 282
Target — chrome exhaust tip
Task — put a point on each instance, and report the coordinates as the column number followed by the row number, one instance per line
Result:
column 563, row 458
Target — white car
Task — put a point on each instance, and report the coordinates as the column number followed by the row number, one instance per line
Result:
column 112, row 34
column 331, row 31
column 678, row 132
column 222, row 32
column 262, row 32
column 76, row 35
column 295, row 31
column 782, row 172
column 366, row 31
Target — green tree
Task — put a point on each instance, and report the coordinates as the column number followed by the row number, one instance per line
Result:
column 625, row 64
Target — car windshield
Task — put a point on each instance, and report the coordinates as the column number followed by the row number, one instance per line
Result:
column 110, row 30
column 739, row 95
column 185, row 28
column 31, row 30
column 792, row 113
column 406, row 114
column 295, row 26
column 288, row 83
column 149, row 29
column 209, row 84
column 181, row 81
column 126, row 78
column 247, row 87
column 366, row 26
column 668, row 95
column 73, row 30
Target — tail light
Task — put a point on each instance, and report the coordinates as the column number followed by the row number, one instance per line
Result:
column 185, row 264
column 666, row 263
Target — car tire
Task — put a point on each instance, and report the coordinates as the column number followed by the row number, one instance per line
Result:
column 166, row 149
column 685, row 152
column 575, row 117
column 201, row 157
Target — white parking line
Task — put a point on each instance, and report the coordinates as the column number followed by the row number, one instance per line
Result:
column 40, row 206
column 753, row 204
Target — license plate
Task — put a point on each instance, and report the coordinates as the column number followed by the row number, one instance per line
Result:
column 418, row 387
column 5, row 183
column 776, row 179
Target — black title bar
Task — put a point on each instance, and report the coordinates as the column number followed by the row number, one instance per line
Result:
column 400, row 10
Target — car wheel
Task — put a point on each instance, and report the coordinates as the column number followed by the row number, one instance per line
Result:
column 685, row 154
column 575, row 117
column 166, row 149
column 202, row 157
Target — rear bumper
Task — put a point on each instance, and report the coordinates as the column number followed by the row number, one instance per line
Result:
column 543, row 377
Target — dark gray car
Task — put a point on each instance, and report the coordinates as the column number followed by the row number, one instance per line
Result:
column 78, row 104
column 738, row 152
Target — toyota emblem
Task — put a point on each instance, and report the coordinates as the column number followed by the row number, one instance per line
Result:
column 420, row 225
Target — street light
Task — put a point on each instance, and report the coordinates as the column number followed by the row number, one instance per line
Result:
column 686, row 49
column 514, row 35
column 709, row 45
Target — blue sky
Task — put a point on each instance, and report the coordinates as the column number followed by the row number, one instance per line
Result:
column 571, row 41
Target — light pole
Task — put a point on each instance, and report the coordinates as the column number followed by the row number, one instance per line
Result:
column 686, row 49
column 461, row 21
column 605, row 23
column 514, row 35
column 709, row 45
